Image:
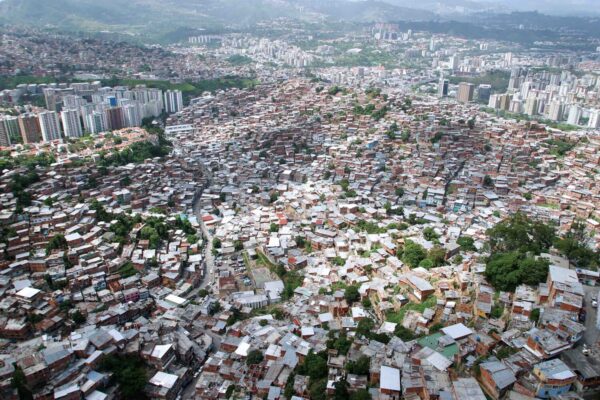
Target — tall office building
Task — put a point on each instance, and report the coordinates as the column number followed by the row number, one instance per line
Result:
column 465, row 92
column 49, row 125
column 29, row 125
column 9, row 131
column 484, row 92
column 443, row 87
column 173, row 101
column 71, row 123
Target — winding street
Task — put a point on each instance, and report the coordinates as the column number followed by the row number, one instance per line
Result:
column 209, row 258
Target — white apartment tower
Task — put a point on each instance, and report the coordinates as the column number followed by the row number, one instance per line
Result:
column 173, row 101
column 96, row 122
column 555, row 110
column 133, row 116
column 575, row 113
column 49, row 125
column 9, row 131
column 71, row 123
column 594, row 121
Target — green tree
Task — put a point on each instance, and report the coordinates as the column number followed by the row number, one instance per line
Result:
column 519, row 233
column 487, row 181
column 380, row 337
column 437, row 255
column 78, row 318
column 288, row 392
column 300, row 241
column 430, row 234
column 129, row 372
column 351, row 294
column 340, row 390
column 365, row 327
column 360, row 394
column 151, row 234
column 535, row 315
column 413, row 253
column 238, row 245
column 127, row 270
column 125, row 181
column 505, row 271
column 575, row 247
column 19, row 382
column 497, row 311
column 235, row 316
column 254, row 357
column 466, row 243
column 359, row 367
column 344, row 183
column 341, row 343
column 315, row 366
column 318, row 389
column 56, row 242
column 216, row 307
column 505, row 352
column 403, row 333
column 339, row 261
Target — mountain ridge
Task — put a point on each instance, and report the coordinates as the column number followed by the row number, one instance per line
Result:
column 125, row 15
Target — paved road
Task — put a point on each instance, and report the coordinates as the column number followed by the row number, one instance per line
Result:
column 209, row 259
column 189, row 392
column 592, row 333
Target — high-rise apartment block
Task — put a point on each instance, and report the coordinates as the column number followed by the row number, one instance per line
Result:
column 49, row 126
column 466, row 92
column 173, row 101
column 71, row 123
column 29, row 125
column 9, row 131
